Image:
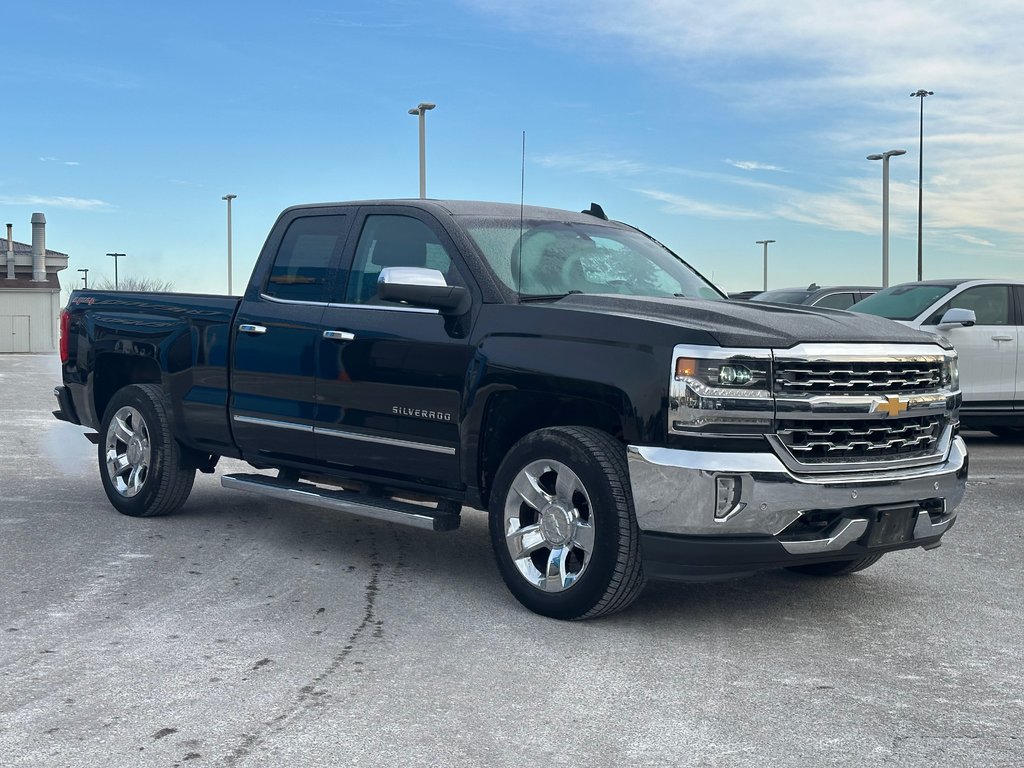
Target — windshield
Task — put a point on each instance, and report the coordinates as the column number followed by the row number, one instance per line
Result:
column 782, row 297
column 541, row 258
column 902, row 302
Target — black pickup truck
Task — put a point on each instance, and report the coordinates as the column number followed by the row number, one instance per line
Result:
column 618, row 417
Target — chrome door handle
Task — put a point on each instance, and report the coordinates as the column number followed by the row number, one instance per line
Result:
column 339, row 335
column 249, row 328
column 1002, row 338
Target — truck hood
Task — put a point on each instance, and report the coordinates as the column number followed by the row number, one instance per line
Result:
column 758, row 325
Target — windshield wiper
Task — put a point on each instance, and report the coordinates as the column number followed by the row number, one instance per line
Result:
column 548, row 296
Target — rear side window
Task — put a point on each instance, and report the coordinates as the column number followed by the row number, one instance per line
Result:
column 308, row 250
column 836, row 301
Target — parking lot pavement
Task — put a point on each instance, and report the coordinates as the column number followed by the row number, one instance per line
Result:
column 247, row 632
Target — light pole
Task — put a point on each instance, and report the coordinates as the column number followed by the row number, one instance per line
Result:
column 85, row 277
column 421, row 111
column 115, row 256
column 920, row 179
column 765, row 244
column 229, row 198
column 884, row 157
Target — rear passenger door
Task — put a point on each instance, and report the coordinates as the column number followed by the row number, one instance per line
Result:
column 390, row 377
column 1018, row 395
column 273, row 368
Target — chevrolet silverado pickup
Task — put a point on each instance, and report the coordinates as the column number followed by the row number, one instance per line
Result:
column 615, row 415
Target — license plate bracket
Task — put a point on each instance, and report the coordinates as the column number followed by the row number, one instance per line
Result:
column 891, row 525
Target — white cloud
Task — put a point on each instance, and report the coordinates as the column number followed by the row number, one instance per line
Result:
column 845, row 71
column 753, row 165
column 75, row 203
column 688, row 206
column 602, row 164
column 972, row 239
column 58, row 160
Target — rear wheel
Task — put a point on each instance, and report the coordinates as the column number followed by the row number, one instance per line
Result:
column 141, row 464
column 562, row 524
column 837, row 567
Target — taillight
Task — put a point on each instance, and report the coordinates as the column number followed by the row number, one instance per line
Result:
column 65, row 327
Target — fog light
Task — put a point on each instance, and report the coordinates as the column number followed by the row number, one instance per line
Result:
column 727, row 496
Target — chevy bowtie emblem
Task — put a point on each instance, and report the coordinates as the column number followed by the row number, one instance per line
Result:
column 892, row 406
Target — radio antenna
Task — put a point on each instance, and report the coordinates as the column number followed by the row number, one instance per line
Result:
column 519, row 243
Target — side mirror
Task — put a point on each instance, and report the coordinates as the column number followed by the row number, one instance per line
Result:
column 957, row 316
column 422, row 287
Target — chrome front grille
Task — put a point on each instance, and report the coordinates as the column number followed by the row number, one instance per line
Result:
column 816, row 441
column 856, row 378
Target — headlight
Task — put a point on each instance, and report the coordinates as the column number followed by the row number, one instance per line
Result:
column 731, row 374
column 951, row 372
column 720, row 390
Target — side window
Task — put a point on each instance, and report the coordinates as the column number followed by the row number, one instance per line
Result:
column 301, row 267
column 836, row 301
column 395, row 241
column 991, row 305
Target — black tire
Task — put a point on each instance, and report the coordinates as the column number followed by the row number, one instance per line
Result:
column 142, row 466
column 837, row 567
column 579, row 483
column 1009, row 433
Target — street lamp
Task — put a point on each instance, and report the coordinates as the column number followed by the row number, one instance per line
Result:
column 884, row 157
column 920, row 178
column 229, row 198
column 115, row 256
column 421, row 110
column 765, row 244
column 85, row 277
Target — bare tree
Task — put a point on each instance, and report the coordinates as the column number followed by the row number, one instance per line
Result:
column 136, row 285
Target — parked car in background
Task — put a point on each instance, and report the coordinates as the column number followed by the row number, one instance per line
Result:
column 743, row 295
column 982, row 319
column 833, row 297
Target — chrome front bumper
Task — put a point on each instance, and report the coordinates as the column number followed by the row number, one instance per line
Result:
column 674, row 492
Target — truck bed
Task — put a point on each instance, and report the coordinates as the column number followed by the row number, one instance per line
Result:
column 179, row 340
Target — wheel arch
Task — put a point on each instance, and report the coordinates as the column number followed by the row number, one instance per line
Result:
column 113, row 372
column 512, row 415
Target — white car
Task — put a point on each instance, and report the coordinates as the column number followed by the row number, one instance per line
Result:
column 983, row 320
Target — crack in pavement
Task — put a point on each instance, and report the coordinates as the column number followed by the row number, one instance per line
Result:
column 308, row 697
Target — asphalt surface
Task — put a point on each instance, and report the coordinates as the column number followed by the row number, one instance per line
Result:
column 247, row 632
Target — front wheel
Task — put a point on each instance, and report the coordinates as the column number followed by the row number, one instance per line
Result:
column 836, row 568
column 562, row 524
column 141, row 464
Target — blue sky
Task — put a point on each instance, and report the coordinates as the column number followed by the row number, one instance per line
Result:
column 709, row 127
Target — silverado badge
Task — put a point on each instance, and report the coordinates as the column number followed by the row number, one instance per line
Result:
column 892, row 406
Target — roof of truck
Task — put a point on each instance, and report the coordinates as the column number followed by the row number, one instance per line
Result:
column 473, row 208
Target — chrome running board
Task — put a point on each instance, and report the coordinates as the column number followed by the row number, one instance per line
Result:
column 352, row 502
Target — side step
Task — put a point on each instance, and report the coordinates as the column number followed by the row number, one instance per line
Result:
column 352, row 502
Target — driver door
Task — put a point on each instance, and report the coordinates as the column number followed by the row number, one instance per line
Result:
column 988, row 350
column 390, row 377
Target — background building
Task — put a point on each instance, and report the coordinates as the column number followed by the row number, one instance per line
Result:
column 29, row 292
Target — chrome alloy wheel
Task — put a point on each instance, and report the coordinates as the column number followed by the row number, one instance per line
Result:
column 128, row 451
column 548, row 528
